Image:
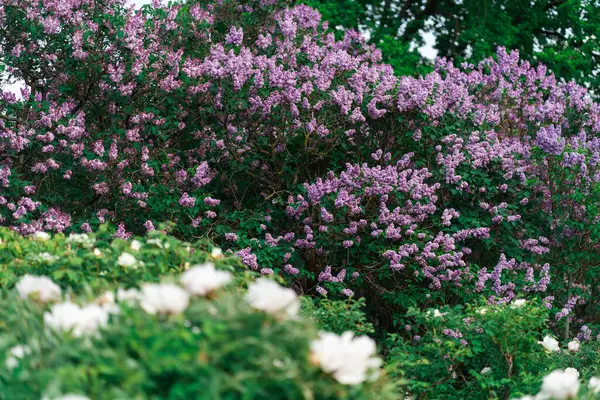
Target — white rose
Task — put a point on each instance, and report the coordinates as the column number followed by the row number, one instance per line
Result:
column 267, row 295
column 62, row 316
column 107, row 302
column 42, row 287
column 91, row 318
column 126, row 260
column 81, row 238
column 349, row 359
column 594, row 384
column 97, row 252
column 560, row 385
column 69, row 317
column 158, row 243
column 550, row 344
column 106, row 298
column 135, row 245
column 482, row 311
column 16, row 353
column 574, row 345
column 164, row 298
column 77, row 237
column 41, row 236
column 128, row 296
column 572, row 371
column 436, row 313
column 203, row 279
column 486, row 371
column 216, row 253
column 518, row 303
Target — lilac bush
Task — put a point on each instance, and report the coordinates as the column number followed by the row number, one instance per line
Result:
column 246, row 121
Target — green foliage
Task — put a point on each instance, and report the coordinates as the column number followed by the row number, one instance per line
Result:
column 94, row 261
column 490, row 352
column 218, row 348
column 338, row 316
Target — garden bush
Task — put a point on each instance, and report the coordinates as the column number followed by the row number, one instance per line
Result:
column 99, row 260
column 198, row 334
column 486, row 351
column 248, row 125
column 318, row 158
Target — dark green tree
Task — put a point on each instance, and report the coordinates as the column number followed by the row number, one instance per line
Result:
column 562, row 34
column 393, row 28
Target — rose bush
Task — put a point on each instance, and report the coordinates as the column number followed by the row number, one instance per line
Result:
column 166, row 339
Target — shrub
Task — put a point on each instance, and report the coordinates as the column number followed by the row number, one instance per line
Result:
column 279, row 172
column 99, row 260
column 338, row 316
column 484, row 351
column 166, row 342
column 461, row 352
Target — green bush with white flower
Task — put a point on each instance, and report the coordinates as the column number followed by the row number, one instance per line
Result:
column 202, row 331
column 91, row 316
column 484, row 351
column 99, row 260
column 566, row 384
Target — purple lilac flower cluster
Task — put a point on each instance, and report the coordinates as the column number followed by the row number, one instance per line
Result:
column 281, row 107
